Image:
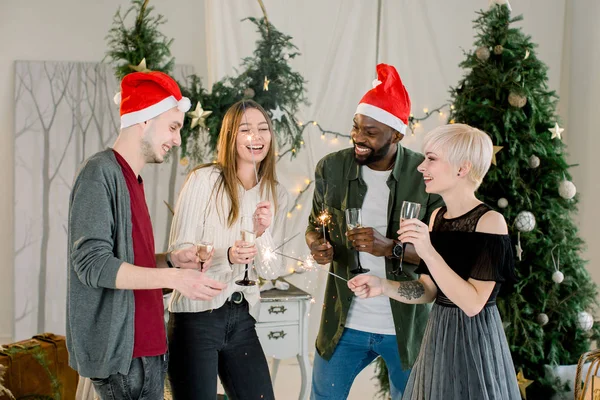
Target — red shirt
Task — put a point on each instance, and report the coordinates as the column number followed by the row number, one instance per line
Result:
column 149, row 333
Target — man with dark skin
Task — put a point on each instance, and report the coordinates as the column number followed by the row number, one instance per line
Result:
column 375, row 176
column 380, row 143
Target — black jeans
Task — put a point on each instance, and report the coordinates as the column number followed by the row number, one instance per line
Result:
column 145, row 381
column 223, row 342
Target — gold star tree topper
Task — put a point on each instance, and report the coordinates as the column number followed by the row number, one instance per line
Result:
column 141, row 67
column 523, row 383
column 199, row 116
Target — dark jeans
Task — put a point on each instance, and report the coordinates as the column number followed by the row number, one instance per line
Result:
column 223, row 342
column 145, row 381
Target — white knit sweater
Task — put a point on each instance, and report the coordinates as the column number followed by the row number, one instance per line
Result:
column 197, row 204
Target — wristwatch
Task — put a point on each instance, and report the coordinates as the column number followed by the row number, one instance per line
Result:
column 397, row 250
column 168, row 260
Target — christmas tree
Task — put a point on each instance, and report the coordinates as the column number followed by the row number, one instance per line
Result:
column 141, row 47
column 505, row 93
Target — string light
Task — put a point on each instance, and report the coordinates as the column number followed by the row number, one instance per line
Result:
column 300, row 193
column 414, row 122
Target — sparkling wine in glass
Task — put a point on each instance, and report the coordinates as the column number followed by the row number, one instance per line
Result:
column 409, row 210
column 204, row 243
column 248, row 236
column 354, row 221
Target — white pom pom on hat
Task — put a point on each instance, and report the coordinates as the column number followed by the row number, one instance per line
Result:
column 184, row 104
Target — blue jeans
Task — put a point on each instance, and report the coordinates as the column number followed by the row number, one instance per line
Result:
column 356, row 349
column 145, row 381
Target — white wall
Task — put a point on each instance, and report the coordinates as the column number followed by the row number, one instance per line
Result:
column 72, row 30
column 579, row 107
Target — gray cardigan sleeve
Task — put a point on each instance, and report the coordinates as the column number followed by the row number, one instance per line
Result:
column 91, row 227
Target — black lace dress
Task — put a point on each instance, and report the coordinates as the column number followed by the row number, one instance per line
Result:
column 462, row 357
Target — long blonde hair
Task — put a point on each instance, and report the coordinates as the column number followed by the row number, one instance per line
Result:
column 228, row 181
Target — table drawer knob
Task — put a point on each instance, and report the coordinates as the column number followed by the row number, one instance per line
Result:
column 274, row 335
column 277, row 309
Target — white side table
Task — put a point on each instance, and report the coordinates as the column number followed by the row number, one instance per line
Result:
column 282, row 329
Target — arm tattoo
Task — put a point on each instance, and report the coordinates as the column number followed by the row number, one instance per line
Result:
column 411, row 290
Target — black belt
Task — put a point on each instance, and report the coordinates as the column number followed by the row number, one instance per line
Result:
column 236, row 297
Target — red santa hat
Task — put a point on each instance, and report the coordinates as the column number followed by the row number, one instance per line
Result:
column 145, row 95
column 388, row 101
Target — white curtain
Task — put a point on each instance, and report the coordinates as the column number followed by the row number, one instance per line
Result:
column 423, row 39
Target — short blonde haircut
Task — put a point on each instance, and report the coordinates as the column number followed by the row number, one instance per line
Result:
column 460, row 143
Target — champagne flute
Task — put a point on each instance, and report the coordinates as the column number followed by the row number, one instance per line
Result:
column 248, row 236
column 353, row 221
column 204, row 243
column 409, row 210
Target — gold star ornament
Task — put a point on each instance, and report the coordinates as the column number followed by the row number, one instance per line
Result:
column 523, row 383
column 556, row 131
column 199, row 116
column 141, row 67
column 496, row 150
column 266, row 84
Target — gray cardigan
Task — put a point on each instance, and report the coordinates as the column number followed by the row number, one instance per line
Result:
column 100, row 318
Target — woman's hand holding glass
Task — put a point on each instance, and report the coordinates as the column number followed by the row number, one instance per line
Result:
column 416, row 232
column 242, row 252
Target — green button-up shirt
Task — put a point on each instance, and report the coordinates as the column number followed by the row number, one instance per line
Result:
column 339, row 185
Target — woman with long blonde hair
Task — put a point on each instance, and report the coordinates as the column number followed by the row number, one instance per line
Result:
column 213, row 337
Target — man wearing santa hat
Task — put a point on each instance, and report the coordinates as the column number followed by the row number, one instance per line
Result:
column 115, row 324
column 375, row 176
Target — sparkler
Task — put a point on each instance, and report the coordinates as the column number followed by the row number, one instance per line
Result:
column 249, row 137
column 285, row 242
column 324, row 217
column 310, row 264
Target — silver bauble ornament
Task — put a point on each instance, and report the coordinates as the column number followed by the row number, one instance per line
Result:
column 585, row 320
column 567, row 189
column 525, row 221
column 534, row 161
column 502, row 202
column 482, row 53
column 558, row 277
column 543, row 319
column 517, row 100
column 249, row 93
